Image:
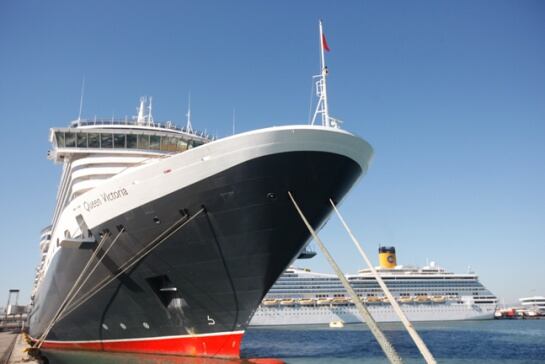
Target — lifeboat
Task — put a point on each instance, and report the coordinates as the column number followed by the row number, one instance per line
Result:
column 421, row 299
column 287, row 302
column 438, row 299
column 270, row 302
column 339, row 300
column 324, row 301
column 307, row 301
column 373, row 299
column 405, row 299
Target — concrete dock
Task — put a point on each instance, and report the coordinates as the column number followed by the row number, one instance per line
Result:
column 12, row 349
column 7, row 339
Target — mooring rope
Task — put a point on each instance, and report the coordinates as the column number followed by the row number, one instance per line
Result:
column 420, row 344
column 89, row 274
column 386, row 346
column 69, row 295
column 135, row 259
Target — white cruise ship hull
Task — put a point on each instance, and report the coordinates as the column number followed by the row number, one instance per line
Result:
column 309, row 315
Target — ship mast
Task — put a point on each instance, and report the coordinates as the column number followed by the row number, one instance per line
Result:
column 141, row 120
column 188, row 126
column 322, row 108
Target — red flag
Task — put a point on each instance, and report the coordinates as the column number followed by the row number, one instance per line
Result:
column 324, row 43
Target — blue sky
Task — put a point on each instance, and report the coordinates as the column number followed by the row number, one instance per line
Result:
column 450, row 94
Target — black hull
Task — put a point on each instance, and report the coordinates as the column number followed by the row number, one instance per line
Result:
column 210, row 275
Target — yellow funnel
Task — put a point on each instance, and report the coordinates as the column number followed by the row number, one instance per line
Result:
column 387, row 257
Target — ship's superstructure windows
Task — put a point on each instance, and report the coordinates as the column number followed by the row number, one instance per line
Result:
column 105, row 140
column 119, row 140
column 70, row 140
column 82, row 140
column 94, row 140
column 132, row 142
column 143, row 142
column 60, row 139
column 155, row 142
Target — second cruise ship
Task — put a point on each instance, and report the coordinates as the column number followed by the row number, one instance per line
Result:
column 428, row 293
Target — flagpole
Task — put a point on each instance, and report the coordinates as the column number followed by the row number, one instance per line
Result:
column 325, row 115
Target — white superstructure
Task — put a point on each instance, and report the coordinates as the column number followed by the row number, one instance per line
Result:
column 535, row 303
column 429, row 293
column 92, row 152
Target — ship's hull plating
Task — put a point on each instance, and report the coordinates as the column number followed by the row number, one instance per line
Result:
column 196, row 291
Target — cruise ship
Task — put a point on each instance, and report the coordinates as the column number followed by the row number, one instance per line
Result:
column 428, row 293
column 164, row 240
column 534, row 303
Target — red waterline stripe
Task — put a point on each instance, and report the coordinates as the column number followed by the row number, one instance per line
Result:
column 221, row 345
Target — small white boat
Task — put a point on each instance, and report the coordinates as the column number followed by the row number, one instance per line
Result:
column 336, row 324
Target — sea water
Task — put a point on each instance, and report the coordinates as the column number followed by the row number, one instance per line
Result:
column 492, row 341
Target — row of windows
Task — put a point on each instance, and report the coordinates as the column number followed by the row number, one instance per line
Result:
column 124, row 141
column 403, row 287
column 372, row 285
column 372, row 279
column 371, row 292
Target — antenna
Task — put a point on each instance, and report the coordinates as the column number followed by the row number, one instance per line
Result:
column 188, row 126
column 322, row 108
column 81, row 98
column 141, row 120
column 150, row 118
column 234, row 119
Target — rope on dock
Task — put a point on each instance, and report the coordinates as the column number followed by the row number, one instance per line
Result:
column 386, row 346
column 420, row 344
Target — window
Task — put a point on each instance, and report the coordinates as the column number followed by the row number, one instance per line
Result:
column 70, row 140
column 106, row 141
column 82, row 140
column 143, row 141
column 168, row 143
column 119, row 141
column 155, row 142
column 182, row 145
column 131, row 141
column 94, row 140
column 60, row 139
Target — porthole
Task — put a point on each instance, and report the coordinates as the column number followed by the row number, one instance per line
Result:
column 156, row 220
column 105, row 327
column 122, row 325
column 145, row 324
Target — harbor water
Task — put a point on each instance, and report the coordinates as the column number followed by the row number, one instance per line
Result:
column 492, row 341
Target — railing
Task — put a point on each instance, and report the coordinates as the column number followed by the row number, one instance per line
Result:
column 167, row 125
column 45, row 229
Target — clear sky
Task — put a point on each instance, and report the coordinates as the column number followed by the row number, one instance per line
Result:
column 450, row 94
